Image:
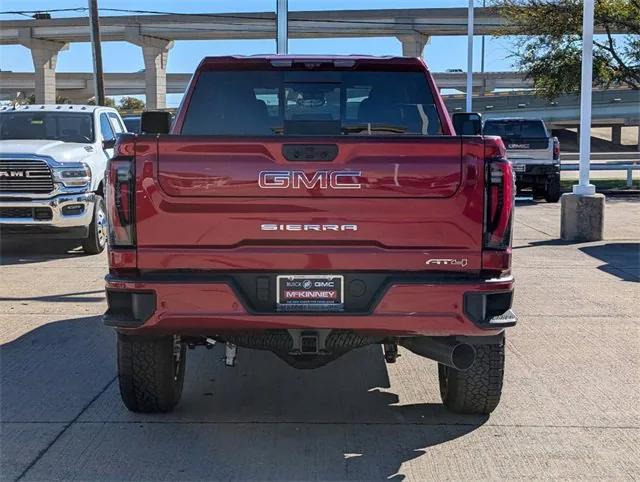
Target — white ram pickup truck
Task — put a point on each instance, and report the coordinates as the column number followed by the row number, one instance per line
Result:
column 52, row 164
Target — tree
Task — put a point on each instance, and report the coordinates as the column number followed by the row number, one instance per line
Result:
column 108, row 102
column 549, row 50
column 21, row 100
column 131, row 104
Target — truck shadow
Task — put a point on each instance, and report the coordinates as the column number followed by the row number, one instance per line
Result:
column 259, row 420
column 25, row 251
column 621, row 259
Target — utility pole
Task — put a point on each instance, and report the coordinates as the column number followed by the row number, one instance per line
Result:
column 98, row 74
column 470, row 56
column 282, row 29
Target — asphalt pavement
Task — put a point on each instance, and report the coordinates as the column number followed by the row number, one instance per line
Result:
column 570, row 406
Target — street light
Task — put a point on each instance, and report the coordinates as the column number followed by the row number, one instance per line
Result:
column 582, row 212
column 470, row 56
column 584, row 187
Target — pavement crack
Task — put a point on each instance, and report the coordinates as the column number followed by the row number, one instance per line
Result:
column 535, row 229
column 64, row 429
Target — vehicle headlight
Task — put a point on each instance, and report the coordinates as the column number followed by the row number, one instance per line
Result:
column 73, row 175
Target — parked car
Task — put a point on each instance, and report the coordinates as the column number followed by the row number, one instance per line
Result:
column 534, row 153
column 52, row 164
column 310, row 206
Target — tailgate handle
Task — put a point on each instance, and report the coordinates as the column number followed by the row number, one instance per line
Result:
column 310, row 152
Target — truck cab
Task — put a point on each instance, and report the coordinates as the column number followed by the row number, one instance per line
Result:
column 52, row 164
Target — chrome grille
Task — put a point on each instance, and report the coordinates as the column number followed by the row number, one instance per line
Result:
column 25, row 175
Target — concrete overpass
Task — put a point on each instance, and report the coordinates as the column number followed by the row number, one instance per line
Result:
column 78, row 87
column 609, row 107
column 155, row 34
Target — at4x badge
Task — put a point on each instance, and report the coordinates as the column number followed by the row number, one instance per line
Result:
column 448, row 261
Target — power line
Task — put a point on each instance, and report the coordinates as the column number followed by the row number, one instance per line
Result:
column 49, row 10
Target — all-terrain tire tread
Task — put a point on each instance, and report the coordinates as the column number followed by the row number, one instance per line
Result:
column 478, row 389
column 145, row 374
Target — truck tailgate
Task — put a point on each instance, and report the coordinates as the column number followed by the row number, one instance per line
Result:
column 380, row 204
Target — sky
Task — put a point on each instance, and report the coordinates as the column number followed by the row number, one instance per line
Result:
column 441, row 53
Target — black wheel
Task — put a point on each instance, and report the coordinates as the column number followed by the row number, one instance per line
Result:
column 150, row 372
column 476, row 390
column 552, row 190
column 97, row 239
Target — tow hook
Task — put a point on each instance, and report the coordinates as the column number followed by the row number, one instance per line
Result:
column 391, row 352
column 230, row 352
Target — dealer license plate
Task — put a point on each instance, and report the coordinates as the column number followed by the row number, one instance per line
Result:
column 303, row 292
column 519, row 167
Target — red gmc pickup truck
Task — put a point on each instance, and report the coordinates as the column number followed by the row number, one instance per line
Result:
column 310, row 206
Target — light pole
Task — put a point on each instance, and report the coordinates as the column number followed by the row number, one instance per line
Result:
column 484, row 4
column 582, row 211
column 584, row 187
column 470, row 57
column 282, row 35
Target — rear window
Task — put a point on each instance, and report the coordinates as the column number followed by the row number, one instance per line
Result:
column 273, row 103
column 515, row 129
column 132, row 124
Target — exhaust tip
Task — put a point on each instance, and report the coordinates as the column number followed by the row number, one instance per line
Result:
column 463, row 356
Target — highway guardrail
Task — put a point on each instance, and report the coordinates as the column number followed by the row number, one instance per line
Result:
column 609, row 166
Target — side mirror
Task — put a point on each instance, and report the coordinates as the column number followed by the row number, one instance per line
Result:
column 108, row 143
column 467, row 123
column 155, row 122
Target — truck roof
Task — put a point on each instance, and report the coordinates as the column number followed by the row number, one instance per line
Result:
column 55, row 108
column 283, row 60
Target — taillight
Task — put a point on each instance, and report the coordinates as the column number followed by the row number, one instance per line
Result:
column 500, row 196
column 556, row 149
column 120, row 198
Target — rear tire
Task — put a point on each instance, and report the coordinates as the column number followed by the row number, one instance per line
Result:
column 552, row 190
column 150, row 372
column 476, row 390
column 97, row 239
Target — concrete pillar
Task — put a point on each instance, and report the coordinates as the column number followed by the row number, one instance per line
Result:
column 155, row 52
column 488, row 85
column 155, row 76
column 616, row 134
column 45, row 56
column 582, row 217
column 413, row 44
